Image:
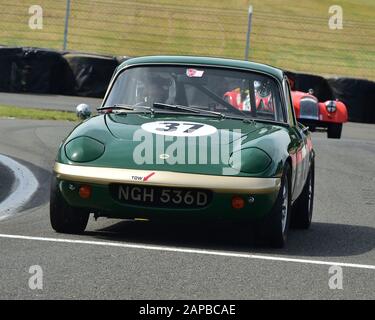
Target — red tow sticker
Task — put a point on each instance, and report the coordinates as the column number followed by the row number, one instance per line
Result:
column 149, row 176
column 194, row 73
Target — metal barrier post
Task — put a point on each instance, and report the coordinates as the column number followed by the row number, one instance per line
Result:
column 248, row 33
column 66, row 24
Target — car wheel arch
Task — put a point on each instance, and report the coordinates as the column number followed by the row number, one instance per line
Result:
column 292, row 175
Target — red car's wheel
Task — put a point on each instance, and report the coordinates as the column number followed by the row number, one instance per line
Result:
column 334, row 131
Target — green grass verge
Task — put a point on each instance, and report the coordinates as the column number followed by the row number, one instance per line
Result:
column 35, row 114
column 289, row 34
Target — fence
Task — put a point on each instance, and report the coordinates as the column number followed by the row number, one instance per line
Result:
column 289, row 35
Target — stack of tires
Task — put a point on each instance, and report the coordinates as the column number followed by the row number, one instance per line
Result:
column 36, row 70
column 358, row 96
column 304, row 82
column 92, row 73
column 33, row 70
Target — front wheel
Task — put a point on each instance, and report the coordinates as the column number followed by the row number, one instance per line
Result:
column 273, row 229
column 63, row 217
column 334, row 131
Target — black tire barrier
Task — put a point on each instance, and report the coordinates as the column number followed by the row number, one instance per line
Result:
column 92, row 73
column 8, row 65
column 33, row 70
column 305, row 82
column 358, row 96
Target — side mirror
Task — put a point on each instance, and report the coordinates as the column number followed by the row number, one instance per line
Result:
column 83, row 111
column 304, row 129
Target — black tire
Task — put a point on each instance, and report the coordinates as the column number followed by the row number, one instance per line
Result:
column 302, row 210
column 64, row 218
column 334, row 131
column 272, row 231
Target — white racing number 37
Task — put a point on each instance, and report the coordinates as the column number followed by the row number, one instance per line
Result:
column 179, row 128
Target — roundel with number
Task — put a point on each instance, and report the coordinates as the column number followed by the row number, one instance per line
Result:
column 179, row 128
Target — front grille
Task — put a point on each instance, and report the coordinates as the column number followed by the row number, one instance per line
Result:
column 309, row 109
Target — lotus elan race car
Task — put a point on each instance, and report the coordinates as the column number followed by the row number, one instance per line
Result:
column 329, row 115
column 169, row 144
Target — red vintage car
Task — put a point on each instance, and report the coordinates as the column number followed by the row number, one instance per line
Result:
column 329, row 115
column 240, row 99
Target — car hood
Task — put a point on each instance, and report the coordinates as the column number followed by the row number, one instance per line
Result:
column 126, row 127
column 298, row 95
column 129, row 142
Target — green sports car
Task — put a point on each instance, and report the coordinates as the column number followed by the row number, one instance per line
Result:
column 169, row 143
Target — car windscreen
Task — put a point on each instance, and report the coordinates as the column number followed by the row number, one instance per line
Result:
column 228, row 91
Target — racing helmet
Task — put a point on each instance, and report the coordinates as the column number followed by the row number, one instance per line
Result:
column 157, row 89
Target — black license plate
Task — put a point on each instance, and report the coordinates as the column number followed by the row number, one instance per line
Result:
column 152, row 196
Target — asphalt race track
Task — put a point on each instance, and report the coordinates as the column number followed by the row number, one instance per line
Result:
column 43, row 101
column 140, row 260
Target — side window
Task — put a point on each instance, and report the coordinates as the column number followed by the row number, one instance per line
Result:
column 289, row 103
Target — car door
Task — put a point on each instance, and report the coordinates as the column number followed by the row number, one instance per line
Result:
column 305, row 153
column 299, row 150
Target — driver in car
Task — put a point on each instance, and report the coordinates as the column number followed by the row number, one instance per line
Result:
column 263, row 96
column 157, row 90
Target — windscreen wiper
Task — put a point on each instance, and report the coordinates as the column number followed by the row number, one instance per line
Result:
column 186, row 108
column 124, row 108
column 157, row 105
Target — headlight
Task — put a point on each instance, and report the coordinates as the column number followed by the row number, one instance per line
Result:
column 84, row 149
column 250, row 160
column 331, row 106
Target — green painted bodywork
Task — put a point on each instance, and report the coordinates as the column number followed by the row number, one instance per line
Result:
column 265, row 149
column 116, row 133
column 84, row 149
column 220, row 207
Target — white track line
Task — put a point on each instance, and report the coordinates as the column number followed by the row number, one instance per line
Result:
column 26, row 183
column 193, row 251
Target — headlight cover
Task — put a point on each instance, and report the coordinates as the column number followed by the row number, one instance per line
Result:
column 84, row 149
column 331, row 106
column 250, row 160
